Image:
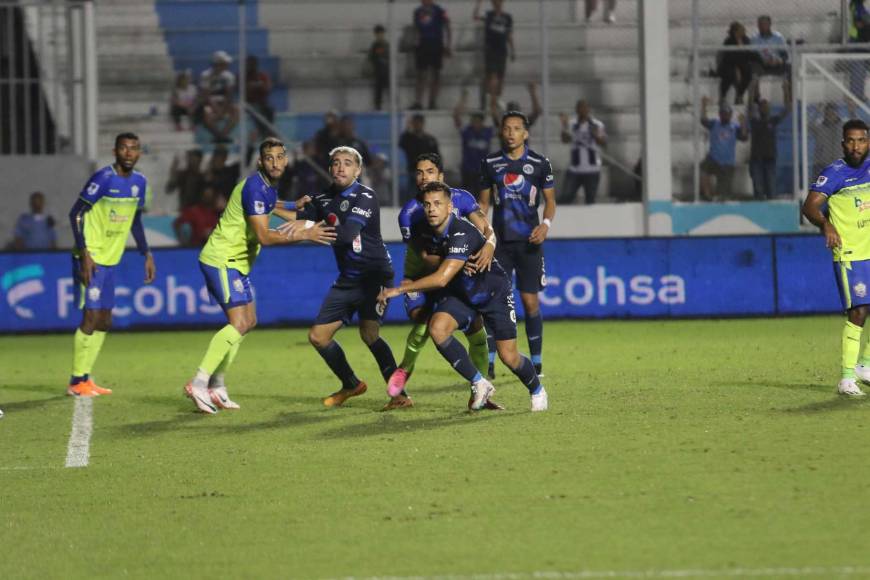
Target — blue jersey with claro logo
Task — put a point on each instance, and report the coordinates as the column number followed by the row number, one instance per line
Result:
column 358, row 205
column 516, row 186
column 461, row 240
column 412, row 212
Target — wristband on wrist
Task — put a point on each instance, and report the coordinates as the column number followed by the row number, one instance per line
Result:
column 309, row 224
column 290, row 205
column 547, row 222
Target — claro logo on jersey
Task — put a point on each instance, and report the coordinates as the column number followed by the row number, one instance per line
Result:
column 20, row 284
column 366, row 213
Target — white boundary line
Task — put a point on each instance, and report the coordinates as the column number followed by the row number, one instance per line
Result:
column 824, row 571
column 78, row 451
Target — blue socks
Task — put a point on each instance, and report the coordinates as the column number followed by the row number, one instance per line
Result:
column 384, row 357
column 452, row 350
column 334, row 356
column 535, row 334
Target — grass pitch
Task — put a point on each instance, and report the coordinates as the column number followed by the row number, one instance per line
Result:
column 669, row 446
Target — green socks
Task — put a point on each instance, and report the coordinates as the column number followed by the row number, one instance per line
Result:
column 851, row 346
column 416, row 340
column 219, row 348
column 86, row 348
column 229, row 358
column 478, row 350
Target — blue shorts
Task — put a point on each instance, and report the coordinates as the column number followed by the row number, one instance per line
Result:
column 853, row 282
column 358, row 295
column 415, row 300
column 528, row 262
column 228, row 287
column 100, row 293
column 498, row 313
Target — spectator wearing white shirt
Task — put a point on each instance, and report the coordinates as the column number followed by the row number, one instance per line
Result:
column 217, row 80
column 772, row 48
column 587, row 136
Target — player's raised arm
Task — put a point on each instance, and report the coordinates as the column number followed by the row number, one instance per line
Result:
column 301, row 232
column 448, row 270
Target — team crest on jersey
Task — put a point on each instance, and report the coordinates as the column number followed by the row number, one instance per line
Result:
column 528, row 169
column 344, row 205
column 259, row 207
column 514, row 182
column 93, row 188
column 860, row 289
column 821, row 180
column 93, row 294
column 413, row 295
column 238, row 285
column 135, row 191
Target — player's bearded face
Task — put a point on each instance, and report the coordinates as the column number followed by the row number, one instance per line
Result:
column 344, row 169
column 127, row 154
column 273, row 162
column 855, row 146
column 437, row 208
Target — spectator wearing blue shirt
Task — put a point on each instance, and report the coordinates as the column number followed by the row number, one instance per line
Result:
column 433, row 43
column 720, row 160
column 772, row 49
column 476, row 140
column 35, row 230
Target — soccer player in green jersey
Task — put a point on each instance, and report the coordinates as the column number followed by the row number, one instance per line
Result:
column 845, row 187
column 226, row 262
column 108, row 209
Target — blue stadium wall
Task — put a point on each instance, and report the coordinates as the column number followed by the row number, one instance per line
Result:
column 629, row 278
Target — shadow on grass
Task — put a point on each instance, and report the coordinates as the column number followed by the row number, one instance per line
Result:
column 48, row 389
column 394, row 424
column 836, row 403
column 791, row 386
column 31, row 404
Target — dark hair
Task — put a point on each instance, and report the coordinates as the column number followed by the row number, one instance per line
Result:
column 127, row 135
column 853, row 124
column 433, row 158
column 435, row 186
column 765, row 17
column 516, row 114
column 270, row 142
column 379, row 28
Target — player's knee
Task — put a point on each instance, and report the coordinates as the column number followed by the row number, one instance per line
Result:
column 317, row 338
column 510, row 357
column 369, row 333
column 439, row 330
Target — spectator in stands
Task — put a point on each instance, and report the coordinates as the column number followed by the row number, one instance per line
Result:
column 217, row 80
column 859, row 31
column 258, row 87
column 476, row 140
column 220, row 176
column 433, row 43
column 762, row 146
column 415, row 141
column 190, row 181
column 326, row 138
column 722, row 157
column 496, row 110
column 827, row 138
column 220, row 117
column 609, row 9
column 301, row 178
column 734, row 67
column 587, row 136
column 182, row 100
column 34, row 230
column 379, row 60
column 347, row 137
column 772, row 53
column 195, row 222
column 498, row 37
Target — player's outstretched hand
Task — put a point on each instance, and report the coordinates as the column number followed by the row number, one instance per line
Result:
column 539, row 234
column 287, row 228
column 832, row 238
column 387, row 293
column 89, row 267
column 320, row 233
column 481, row 261
column 300, row 203
column 150, row 268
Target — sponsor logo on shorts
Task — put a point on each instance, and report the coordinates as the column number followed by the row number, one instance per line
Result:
column 238, row 285
column 380, row 308
column 94, row 294
column 366, row 213
column 860, row 289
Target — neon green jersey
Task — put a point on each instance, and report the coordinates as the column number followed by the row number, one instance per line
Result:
column 233, row 243
column 848, row 191
column 114, row 201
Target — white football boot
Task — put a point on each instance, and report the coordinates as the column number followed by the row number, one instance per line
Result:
column 863, row 373
column 849, row 387
column 482, row 390
column 201, row 398
column 539, row 400
column 221, row 398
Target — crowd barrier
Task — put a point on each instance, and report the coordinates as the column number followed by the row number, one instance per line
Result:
column 612, row 278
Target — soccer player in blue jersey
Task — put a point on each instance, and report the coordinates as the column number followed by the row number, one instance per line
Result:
column 364, row 267
column 844, row 186
column 107, row 210
column 517, row 179
column 226, row 262
column 466, row 293
column 418, row 263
